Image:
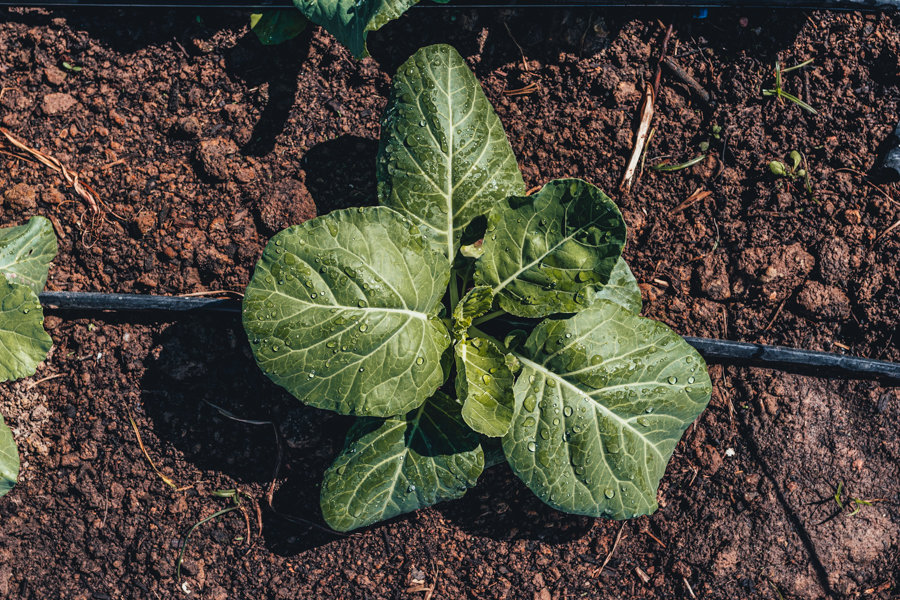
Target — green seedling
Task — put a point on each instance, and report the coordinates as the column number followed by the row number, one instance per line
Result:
column 25, row 255
column 798, row 169
column 857, row 502
column 715, row 133
column 394, row 314
column 70, row 67
column 235, row 498
column 666, row 168
column 837, row 495
column 782, row 95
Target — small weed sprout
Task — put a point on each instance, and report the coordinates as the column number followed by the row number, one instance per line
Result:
column 715, row 133
column 782, row 95
column 798, row 170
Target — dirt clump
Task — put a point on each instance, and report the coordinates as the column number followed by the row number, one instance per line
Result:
column 824, row 302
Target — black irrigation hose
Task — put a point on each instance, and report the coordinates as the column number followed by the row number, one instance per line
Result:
column 735, row 4
column 719, row 350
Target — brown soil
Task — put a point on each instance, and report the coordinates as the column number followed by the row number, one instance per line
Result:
column 203, row 143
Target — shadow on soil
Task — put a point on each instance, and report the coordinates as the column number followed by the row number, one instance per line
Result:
column 340, row 173
column 207, row 361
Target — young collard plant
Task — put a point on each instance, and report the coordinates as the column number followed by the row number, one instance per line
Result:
column 370, row 311
column 25, row 255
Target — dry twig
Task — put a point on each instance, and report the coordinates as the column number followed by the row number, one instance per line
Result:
column 82, row 189
column 646, row 115
column 162, row 476
column 609, row 556
column 697, row 196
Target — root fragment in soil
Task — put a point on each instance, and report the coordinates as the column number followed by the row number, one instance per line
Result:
column 161, row 475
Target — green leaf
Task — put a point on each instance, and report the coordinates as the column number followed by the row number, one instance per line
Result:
column 23, row 341
column 276, row 26
column 550, row 252
column 395, row 466
column 9, row 459
column 622, row 288
column 444, row 158
column 475, row 303
column 26, row 252
column 341, row 312
column 350, row 21
column 484, row 384
column 602, row 400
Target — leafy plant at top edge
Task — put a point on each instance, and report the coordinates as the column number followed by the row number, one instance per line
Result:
column 369, row 311
column 275, row 26
column 25, row 255
column 350, row 21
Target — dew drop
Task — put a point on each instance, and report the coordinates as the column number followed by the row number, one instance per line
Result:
column 531, row 446
column 609, row 493
column 568, row 411
column 529, row 403
column 420, row 361
column 672, row 380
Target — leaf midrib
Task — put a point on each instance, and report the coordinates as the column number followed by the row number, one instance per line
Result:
column 625, row 423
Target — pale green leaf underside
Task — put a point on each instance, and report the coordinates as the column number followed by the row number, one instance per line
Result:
column 395, row 466
column 549, row 253
column 350, row 21
column 484, row 385
column 9, row 459
column 622, row 288
column 26, row 252
column 444, row 158
column 601, row 402
column 277, row 26
column 475, row 303
column 23, row 341
column 341, row 312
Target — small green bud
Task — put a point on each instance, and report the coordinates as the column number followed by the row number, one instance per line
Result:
column 801, row 173
column 777, row 168
column 796, row 158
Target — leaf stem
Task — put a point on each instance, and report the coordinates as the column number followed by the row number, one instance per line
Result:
column 488, row 317
column 454, row 290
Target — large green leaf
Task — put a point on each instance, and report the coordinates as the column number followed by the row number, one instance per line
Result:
column 395, row 466
column 484, row 385
column 622, row 288
column 341, row 312
column 550, row 252
column 23, row 341
column 444, row 158
column 601, row 402
column 9, row 459
column 277, row 26
column 350, row 21
column 26, row 252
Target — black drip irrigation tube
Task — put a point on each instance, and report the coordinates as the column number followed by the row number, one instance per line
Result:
column 725, row 351
column 699, row 4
